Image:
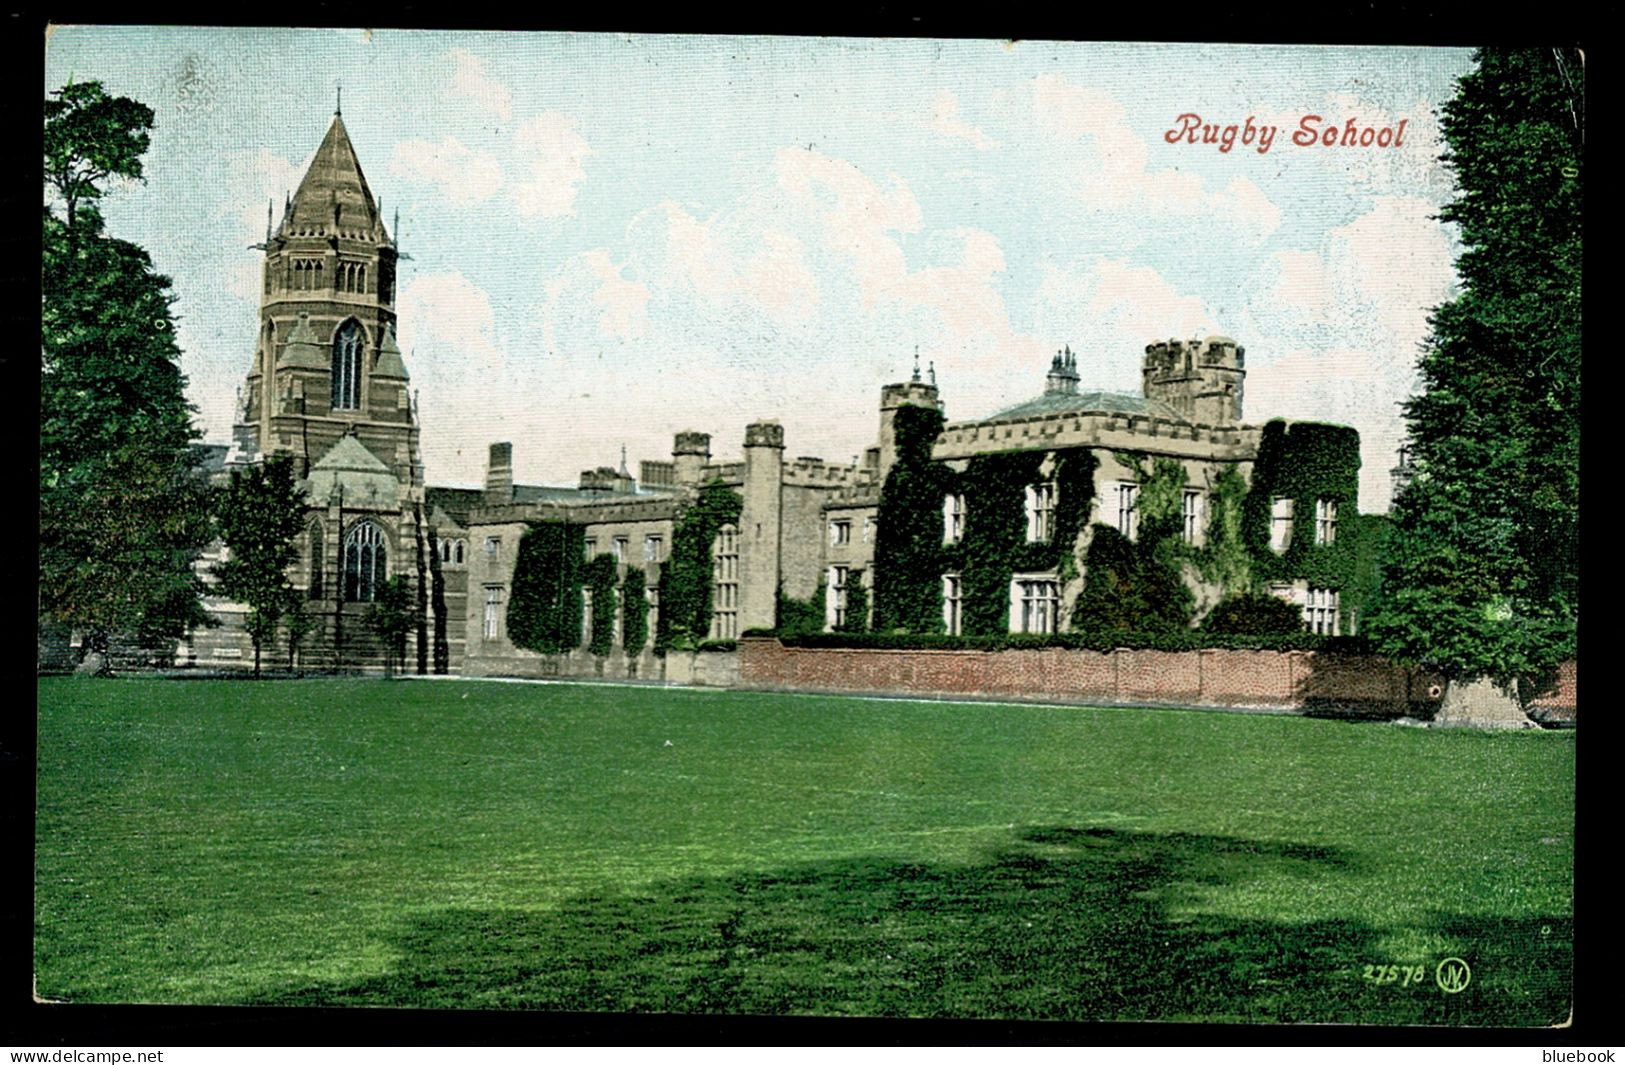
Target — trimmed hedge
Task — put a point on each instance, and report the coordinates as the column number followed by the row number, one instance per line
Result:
column 1184, row 640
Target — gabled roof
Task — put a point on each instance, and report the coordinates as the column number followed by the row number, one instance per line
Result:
column 363, row 476
column 1089, row 403
column 335, row 180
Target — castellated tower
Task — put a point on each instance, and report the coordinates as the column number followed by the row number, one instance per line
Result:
column 915, row 393
column 1202, row 379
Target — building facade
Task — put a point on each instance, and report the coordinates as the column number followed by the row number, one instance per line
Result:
column 327, row 385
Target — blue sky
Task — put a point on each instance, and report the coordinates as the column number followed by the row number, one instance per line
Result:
column 617, row 237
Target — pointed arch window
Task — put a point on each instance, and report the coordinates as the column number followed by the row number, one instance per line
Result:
column 347, row 343
column 318, row 547
column 365, row 563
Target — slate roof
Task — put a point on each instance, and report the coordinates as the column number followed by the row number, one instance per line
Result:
column 363, row 476
column 335, row 179
column 1089, row 403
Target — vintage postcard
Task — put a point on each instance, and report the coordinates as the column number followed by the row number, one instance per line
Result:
column 789, row 526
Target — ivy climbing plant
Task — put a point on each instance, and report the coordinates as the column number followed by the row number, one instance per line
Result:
column 1307, row 462
column 601, row 581
column 908, row 528
column 685, row 581
column 544, row 607
column 634, row 612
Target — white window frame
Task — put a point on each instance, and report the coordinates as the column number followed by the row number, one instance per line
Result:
column 651, row 548
column 835, row 596
column 953, row 604
column 619, row 547
column 725, row 583
column 1035, row 602
column 492, row 627
column 1281, row 524
column 1128, row 509
column 840, row 531
column 953, row 518
column 1321, row 608
column 1325, row 522
column 1192, row 509
column 1040, row 512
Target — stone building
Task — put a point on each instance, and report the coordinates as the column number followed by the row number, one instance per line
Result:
column 328, row 386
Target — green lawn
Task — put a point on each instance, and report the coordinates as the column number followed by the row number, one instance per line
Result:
column 573, row 847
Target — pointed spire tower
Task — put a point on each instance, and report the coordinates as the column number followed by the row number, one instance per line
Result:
column 326, row 361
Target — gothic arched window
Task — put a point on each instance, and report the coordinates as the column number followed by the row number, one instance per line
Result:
column 365, row 563
column 318, row 548
column 347, row 343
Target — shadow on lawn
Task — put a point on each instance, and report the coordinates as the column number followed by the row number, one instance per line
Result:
column 1061, row 923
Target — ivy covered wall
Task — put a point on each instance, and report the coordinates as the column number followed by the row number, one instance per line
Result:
column 1307, row 462
column 686, row 578
column 544, row 606
column 601, row 581
column 911, row 557
column 908, row 528
column 634, row 611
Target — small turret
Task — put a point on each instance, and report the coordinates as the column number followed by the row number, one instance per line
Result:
column 1062, row 379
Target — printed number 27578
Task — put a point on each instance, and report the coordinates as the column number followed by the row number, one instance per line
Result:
column 1403, row 975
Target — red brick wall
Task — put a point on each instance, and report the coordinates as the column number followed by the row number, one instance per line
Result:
column 1303, row 680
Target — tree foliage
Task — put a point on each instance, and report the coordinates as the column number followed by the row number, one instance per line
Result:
column 91, row 137
column 391, row 617
column 123, row 507
column 686, row 578
column 544, row 607
column 634, row 612
column 908, row 528
column 259, row 515
column 1482, row 567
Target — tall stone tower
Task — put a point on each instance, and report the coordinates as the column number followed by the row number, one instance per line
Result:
column 1202, row 379
column 326, row 364
column 328, row 386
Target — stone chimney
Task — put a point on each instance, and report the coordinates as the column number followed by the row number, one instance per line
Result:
column 499, row 474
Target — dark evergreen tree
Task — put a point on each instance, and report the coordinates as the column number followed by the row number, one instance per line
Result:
column 1482, row 569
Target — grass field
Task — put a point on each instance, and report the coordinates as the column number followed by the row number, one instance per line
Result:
column 481, row 845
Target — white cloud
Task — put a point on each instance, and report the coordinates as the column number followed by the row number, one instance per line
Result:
column 946, row 121
column 449, row 318
column 856, row 215
column 471, row 80
column 1119, row 178
column 621, row 303
column 463, row 176
column 553, row 154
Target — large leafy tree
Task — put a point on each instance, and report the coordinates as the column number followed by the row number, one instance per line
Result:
column 123, row 506
column 259, row 514
column 1482, row 571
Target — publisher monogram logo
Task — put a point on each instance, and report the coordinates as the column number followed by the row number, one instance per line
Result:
column 1452, row 975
